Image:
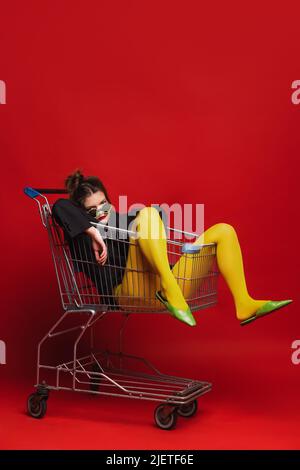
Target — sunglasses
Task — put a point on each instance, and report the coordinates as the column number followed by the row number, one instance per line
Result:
column 102, row 209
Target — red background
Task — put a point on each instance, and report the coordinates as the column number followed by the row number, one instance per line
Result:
column 166, row 102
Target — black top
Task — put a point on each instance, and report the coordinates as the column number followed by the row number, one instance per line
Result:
column 74, row 220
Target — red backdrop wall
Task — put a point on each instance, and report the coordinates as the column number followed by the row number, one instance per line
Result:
column 165, row 102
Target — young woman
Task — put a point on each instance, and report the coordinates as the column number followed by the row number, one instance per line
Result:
column 89, row 202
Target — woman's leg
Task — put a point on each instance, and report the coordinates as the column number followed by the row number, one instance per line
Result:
column 139, row 280
column 152, row 241
column 230, row 263
column 149, row 253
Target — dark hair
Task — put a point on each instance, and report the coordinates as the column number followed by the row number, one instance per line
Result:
column 79, row 187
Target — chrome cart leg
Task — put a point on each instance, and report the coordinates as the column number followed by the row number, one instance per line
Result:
column 37, row 401
column 47, row 336
column 83, row 330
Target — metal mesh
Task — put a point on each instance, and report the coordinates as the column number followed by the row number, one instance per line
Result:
column 116, row 286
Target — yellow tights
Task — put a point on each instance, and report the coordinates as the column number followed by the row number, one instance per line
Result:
column 149, row 253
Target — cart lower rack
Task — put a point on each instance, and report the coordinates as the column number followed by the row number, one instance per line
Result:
column 90, row 292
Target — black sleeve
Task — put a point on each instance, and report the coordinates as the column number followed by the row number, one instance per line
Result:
column 70, row 217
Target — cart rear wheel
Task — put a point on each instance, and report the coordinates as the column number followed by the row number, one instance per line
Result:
column 36, row 405
column 163, row 420
column 188, row 410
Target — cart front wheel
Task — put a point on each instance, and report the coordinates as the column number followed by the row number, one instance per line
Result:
column 36, row 406
column 188, row 410
column 163, row 419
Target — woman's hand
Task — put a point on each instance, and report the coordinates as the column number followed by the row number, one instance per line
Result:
column 99, row 247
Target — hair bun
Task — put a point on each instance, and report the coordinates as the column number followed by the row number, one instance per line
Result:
column 73, row 181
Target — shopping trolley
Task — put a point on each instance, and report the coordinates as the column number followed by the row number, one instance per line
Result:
column 88, row 295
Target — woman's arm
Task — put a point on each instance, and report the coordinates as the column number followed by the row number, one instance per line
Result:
column 98, row 245
column 75, row 221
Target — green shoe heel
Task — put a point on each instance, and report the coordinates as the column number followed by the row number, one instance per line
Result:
column 183, row 315
column 267, row 308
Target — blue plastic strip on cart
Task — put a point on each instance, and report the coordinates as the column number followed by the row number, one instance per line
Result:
column 31, row 192
column 190, row 248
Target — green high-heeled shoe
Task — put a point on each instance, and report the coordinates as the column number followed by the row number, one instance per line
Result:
column 185, row 316
column 267, row 308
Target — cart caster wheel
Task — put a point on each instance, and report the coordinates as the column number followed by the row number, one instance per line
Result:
column 36, row 405
column 163, row 420
column 95, row 383
column 188, row 410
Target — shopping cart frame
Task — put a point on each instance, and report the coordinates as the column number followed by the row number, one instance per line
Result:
column 104, row 372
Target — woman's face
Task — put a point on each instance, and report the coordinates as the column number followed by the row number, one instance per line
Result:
column 97, row 205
